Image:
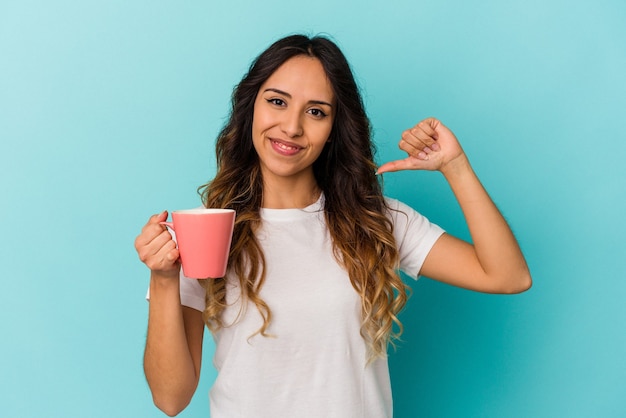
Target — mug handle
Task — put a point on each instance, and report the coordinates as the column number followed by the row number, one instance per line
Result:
column 168, row 224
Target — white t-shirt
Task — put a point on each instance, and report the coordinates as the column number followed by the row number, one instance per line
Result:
column 315, row 363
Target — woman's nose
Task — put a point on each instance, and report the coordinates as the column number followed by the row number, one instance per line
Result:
column 292, row 124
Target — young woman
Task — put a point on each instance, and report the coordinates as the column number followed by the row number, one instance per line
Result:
column 305, row 313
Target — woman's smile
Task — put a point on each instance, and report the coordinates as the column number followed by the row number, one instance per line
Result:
column 285, row 148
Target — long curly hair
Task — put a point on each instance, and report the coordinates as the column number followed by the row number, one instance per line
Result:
column 354, row 207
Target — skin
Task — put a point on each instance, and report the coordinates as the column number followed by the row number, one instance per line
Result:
column 494, row 263
column 173, row 353
column 293, row 116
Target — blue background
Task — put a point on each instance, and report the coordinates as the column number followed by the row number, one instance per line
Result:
column 108, row 114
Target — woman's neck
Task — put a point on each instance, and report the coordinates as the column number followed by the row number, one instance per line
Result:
column 289, row 194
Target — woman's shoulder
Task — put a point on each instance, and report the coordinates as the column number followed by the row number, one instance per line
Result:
column 396, row 206
column 405, row 216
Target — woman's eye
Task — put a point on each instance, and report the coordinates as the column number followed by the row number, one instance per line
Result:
column 277, row 102
column 317, row 113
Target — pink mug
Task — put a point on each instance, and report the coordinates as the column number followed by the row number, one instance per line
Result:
column 203, row 237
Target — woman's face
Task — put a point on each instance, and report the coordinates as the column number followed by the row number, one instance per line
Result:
column 293, row 117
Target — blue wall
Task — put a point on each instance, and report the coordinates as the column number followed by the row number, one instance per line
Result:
column 108, row 111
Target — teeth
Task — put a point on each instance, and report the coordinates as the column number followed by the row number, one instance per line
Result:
column 285, row 146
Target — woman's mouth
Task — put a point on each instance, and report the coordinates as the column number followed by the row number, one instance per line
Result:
column 285, row 148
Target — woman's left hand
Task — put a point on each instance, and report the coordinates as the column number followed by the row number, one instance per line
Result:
column 493, row 263
column 430, row 145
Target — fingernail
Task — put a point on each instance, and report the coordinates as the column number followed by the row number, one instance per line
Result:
column 423, row 156
column 435, row 147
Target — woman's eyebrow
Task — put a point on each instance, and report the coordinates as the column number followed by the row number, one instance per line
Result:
column 284, row 93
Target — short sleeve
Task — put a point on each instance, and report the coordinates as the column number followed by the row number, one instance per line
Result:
column 415, row 236
column 191, row 293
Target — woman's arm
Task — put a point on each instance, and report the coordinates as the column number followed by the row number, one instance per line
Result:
column 494, row 262
column 173, row 351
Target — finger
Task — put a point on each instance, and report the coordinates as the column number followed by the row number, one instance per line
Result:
column 164, row 262
column 161, row 217
column 415, row 143
column 167, row 256
column 398, row 165
column 155, row 220
column 148, row 233
column 160, row 258
column 161, row 240
column 429, row 127
column 432, row 126
column 413, row 150
column 410, row 145
column 172, row 255
column 423, row 135
column 150, row 243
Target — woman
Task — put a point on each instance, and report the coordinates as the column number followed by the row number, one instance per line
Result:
column 304, row 315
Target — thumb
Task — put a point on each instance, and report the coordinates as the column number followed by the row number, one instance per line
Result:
column 392, row 166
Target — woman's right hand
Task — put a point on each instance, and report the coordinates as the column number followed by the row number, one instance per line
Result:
column 173, row 351
column 157, row 249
